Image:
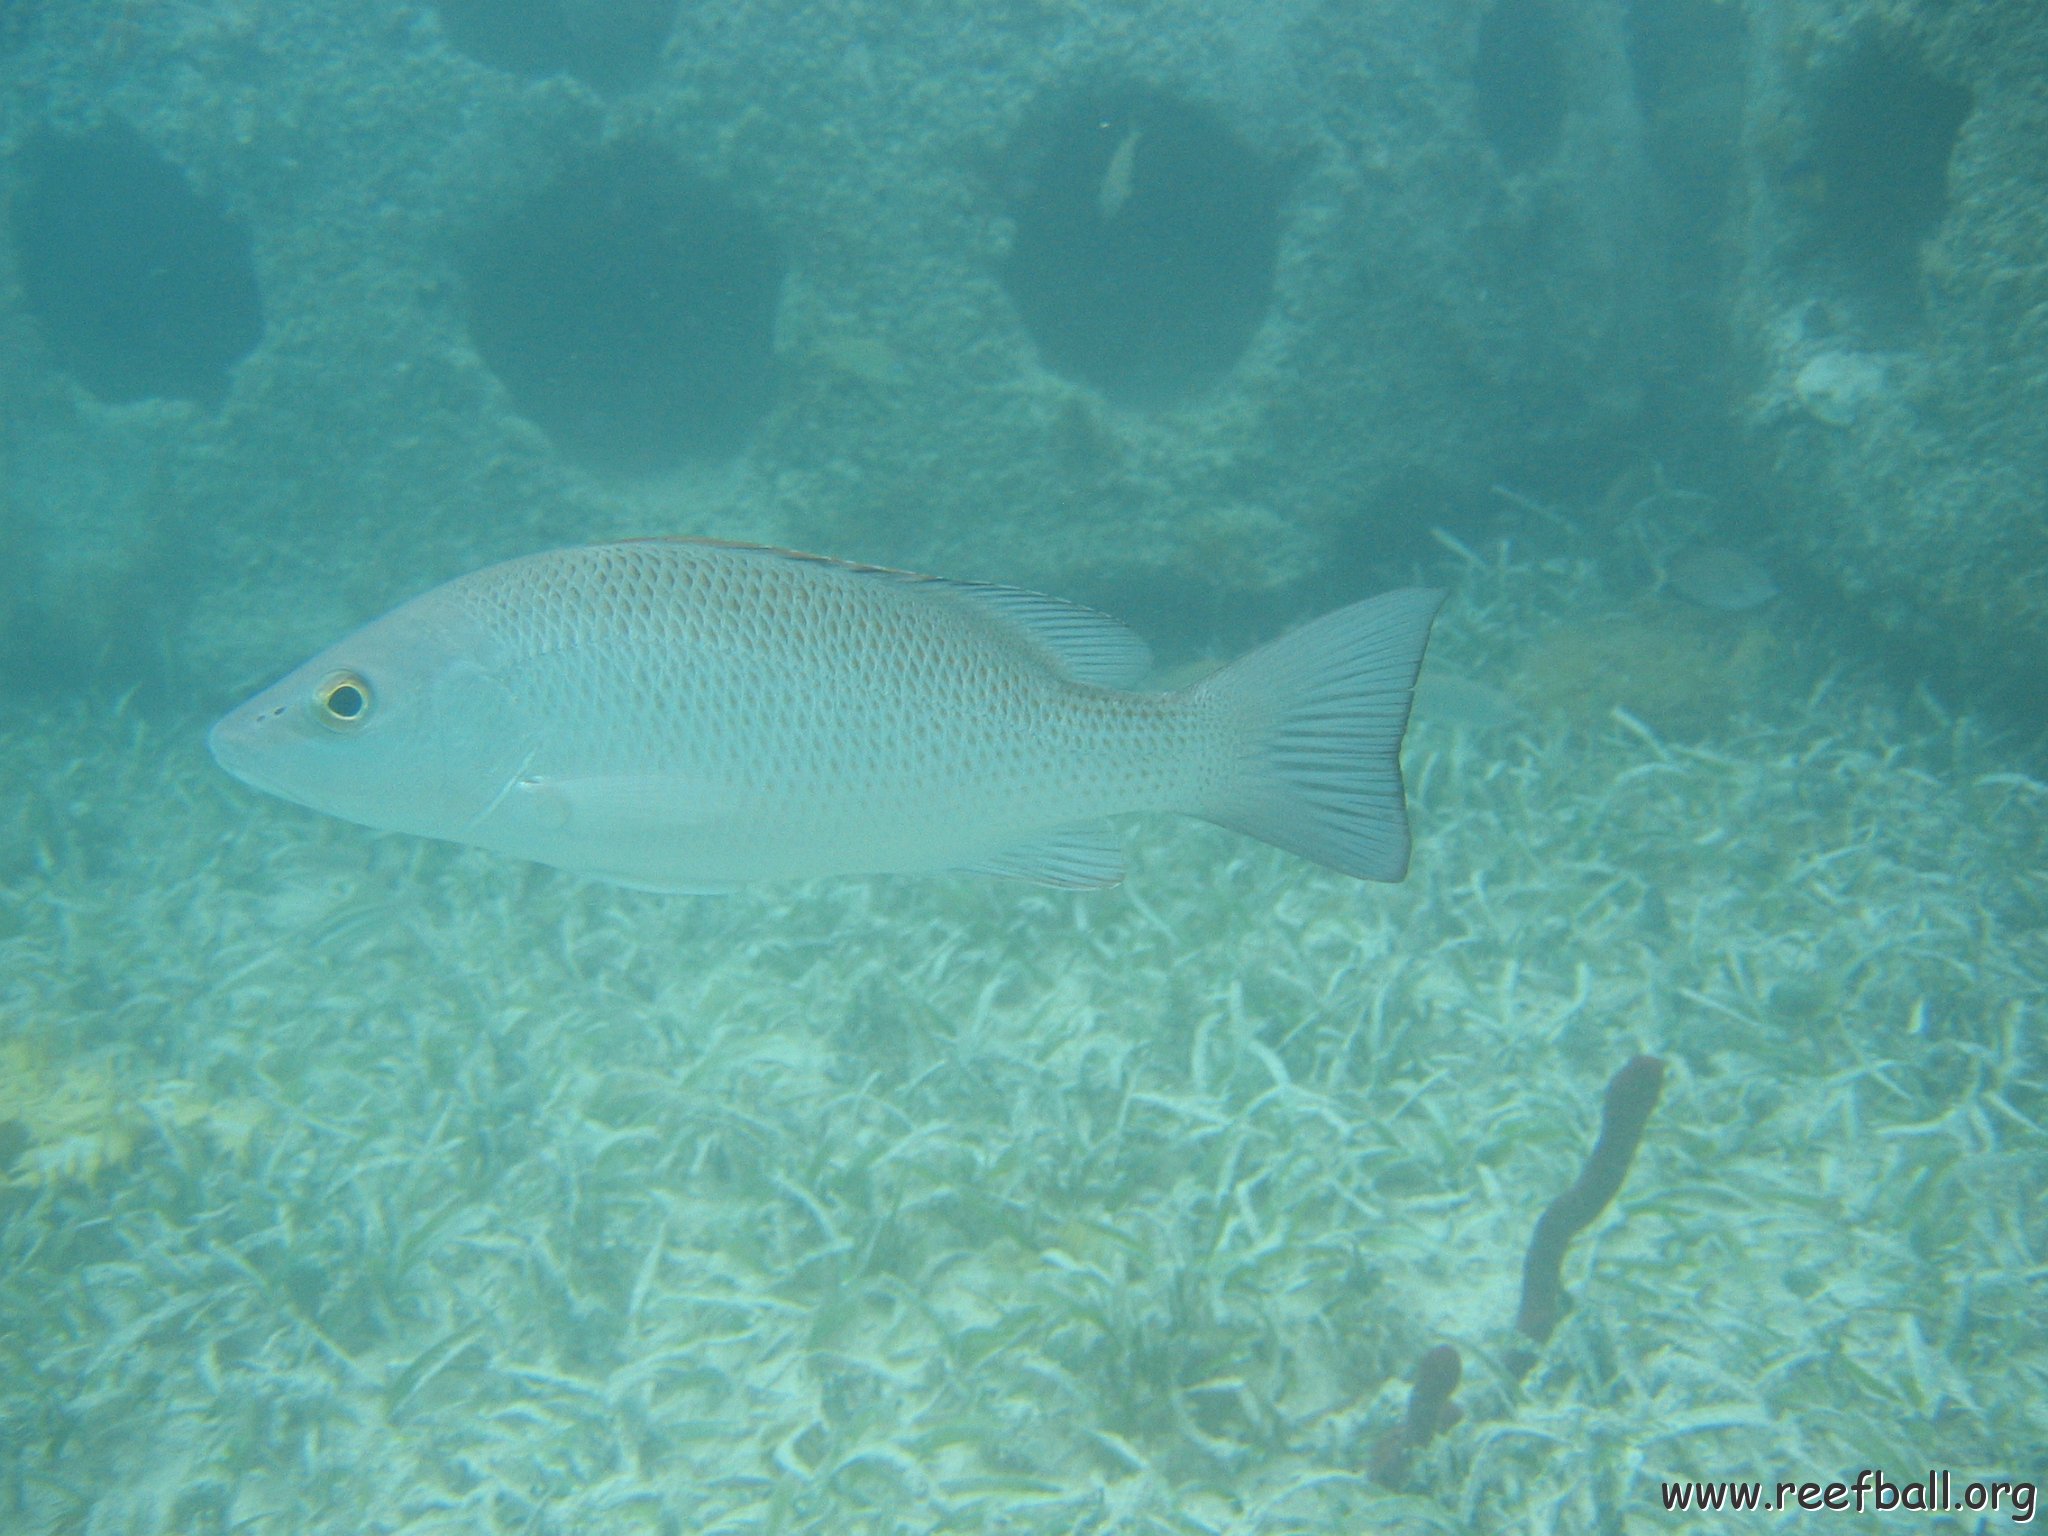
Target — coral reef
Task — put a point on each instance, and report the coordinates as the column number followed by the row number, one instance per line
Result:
column 1378, row 316
column 606, row 42
column 1892, row 318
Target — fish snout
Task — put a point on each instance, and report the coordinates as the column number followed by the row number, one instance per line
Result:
column 236, row 742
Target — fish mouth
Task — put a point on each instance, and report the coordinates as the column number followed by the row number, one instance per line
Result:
column 232, row 746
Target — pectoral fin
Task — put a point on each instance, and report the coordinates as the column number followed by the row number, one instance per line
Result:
column 623, row 805
column 633, row 830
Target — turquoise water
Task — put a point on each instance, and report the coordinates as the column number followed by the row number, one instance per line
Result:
column 352, row 1182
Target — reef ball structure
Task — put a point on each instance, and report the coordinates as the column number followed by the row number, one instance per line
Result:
column 606, row 42
column 1893, row 310
column 1146, row 242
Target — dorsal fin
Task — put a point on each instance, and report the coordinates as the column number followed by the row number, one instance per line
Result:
column 1088, row 646
column 1085, row 645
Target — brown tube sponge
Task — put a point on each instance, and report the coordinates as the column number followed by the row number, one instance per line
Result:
column 1631, row 1095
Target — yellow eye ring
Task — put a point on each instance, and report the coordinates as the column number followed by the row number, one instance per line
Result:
column 342, row 701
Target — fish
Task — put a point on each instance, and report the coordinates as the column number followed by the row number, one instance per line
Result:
column 1119, row 177
column 1723, row 579
column 692, row 715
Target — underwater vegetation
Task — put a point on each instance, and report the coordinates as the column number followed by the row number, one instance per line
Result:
column 1429, row 1411
column 69, row 1120
column 944, row 1205
column 59, row 1122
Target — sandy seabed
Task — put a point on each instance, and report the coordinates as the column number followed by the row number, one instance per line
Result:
column 357, row 1184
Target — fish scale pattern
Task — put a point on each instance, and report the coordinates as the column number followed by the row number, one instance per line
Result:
column 828, row 692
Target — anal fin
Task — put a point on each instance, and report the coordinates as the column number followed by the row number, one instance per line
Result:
column 1075, row 858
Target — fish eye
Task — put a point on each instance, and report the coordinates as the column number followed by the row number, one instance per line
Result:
column 342, row 701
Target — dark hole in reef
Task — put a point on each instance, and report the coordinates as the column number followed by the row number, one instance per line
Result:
column 1147, row 236
column 1518, row 78
column 606, row 42
column 1883, row 130
column 1688, row 62
column 629, row 309
column 1686, row 58
column 142, row 287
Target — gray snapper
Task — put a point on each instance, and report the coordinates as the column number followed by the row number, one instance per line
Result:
column 689, row 715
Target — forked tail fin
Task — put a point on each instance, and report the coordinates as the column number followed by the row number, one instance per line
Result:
column 1317, row 718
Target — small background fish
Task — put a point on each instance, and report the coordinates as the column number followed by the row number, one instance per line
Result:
column 1723, row 579
column 1119, row 177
